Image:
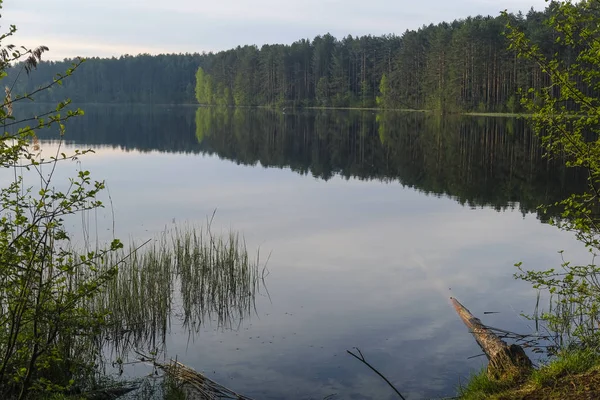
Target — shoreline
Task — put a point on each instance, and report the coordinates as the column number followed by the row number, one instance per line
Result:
column 286, row 109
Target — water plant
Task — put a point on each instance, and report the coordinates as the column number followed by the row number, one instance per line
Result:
column 188, row 273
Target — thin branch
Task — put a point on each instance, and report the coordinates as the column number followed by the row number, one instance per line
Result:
column 364, row 361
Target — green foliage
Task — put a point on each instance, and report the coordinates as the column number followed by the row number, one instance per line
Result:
column 204, row 88
column 200, row 86
column 365, row 94
column 45, row 328
column 383, row 100
column 512, row 104
column 322, row 92
column 565, row 113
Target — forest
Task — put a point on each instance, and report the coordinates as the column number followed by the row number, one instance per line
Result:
column 453, row 67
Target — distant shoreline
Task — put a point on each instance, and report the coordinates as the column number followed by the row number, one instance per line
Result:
column 285, row 109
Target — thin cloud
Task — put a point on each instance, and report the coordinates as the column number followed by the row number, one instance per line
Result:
column 114, row 27
column 76, row 48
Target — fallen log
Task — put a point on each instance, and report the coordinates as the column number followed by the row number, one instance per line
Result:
column 196, row 385
column 505, row 362
column 108, row 393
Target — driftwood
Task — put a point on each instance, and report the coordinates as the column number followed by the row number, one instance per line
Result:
column 108, row 393
column 505, row 361
column 196, row 385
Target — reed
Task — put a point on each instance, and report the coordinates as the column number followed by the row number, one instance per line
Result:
column 186, row 273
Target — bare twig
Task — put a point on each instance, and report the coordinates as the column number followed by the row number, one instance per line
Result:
column 362, row 359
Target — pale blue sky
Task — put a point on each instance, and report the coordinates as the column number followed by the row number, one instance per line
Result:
column 115, row 27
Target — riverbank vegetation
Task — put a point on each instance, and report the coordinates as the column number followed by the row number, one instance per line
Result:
column 572, row 375
column 566, row 116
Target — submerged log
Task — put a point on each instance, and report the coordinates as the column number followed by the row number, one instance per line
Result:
column 108, row 393
column 505, row 362
column 196, row 385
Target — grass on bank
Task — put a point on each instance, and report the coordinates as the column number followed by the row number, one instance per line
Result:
column 572, row 375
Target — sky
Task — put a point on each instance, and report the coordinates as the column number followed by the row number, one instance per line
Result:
column 106, row 28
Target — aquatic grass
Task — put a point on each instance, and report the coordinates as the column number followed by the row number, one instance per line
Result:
column 217, row 278
column 139, row 299
column 189, row 273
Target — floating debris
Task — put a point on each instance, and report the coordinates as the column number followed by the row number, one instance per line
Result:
column 196, row 385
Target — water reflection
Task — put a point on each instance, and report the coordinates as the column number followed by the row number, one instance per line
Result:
column 479, row 161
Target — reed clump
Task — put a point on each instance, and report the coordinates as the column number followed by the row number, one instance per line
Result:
column 187, row 273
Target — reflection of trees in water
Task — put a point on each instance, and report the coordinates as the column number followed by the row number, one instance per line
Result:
column 135, row 128
column 480, row 161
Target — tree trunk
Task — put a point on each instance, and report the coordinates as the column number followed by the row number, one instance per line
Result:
column 505, row 362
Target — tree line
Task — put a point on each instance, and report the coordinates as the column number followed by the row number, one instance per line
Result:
column 465, row 65
column 161, row 79
column 460, row 66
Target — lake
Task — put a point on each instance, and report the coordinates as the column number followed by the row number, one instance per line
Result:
column 370, row 222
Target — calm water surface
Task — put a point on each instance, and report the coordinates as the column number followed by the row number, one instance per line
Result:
column 372, row 221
